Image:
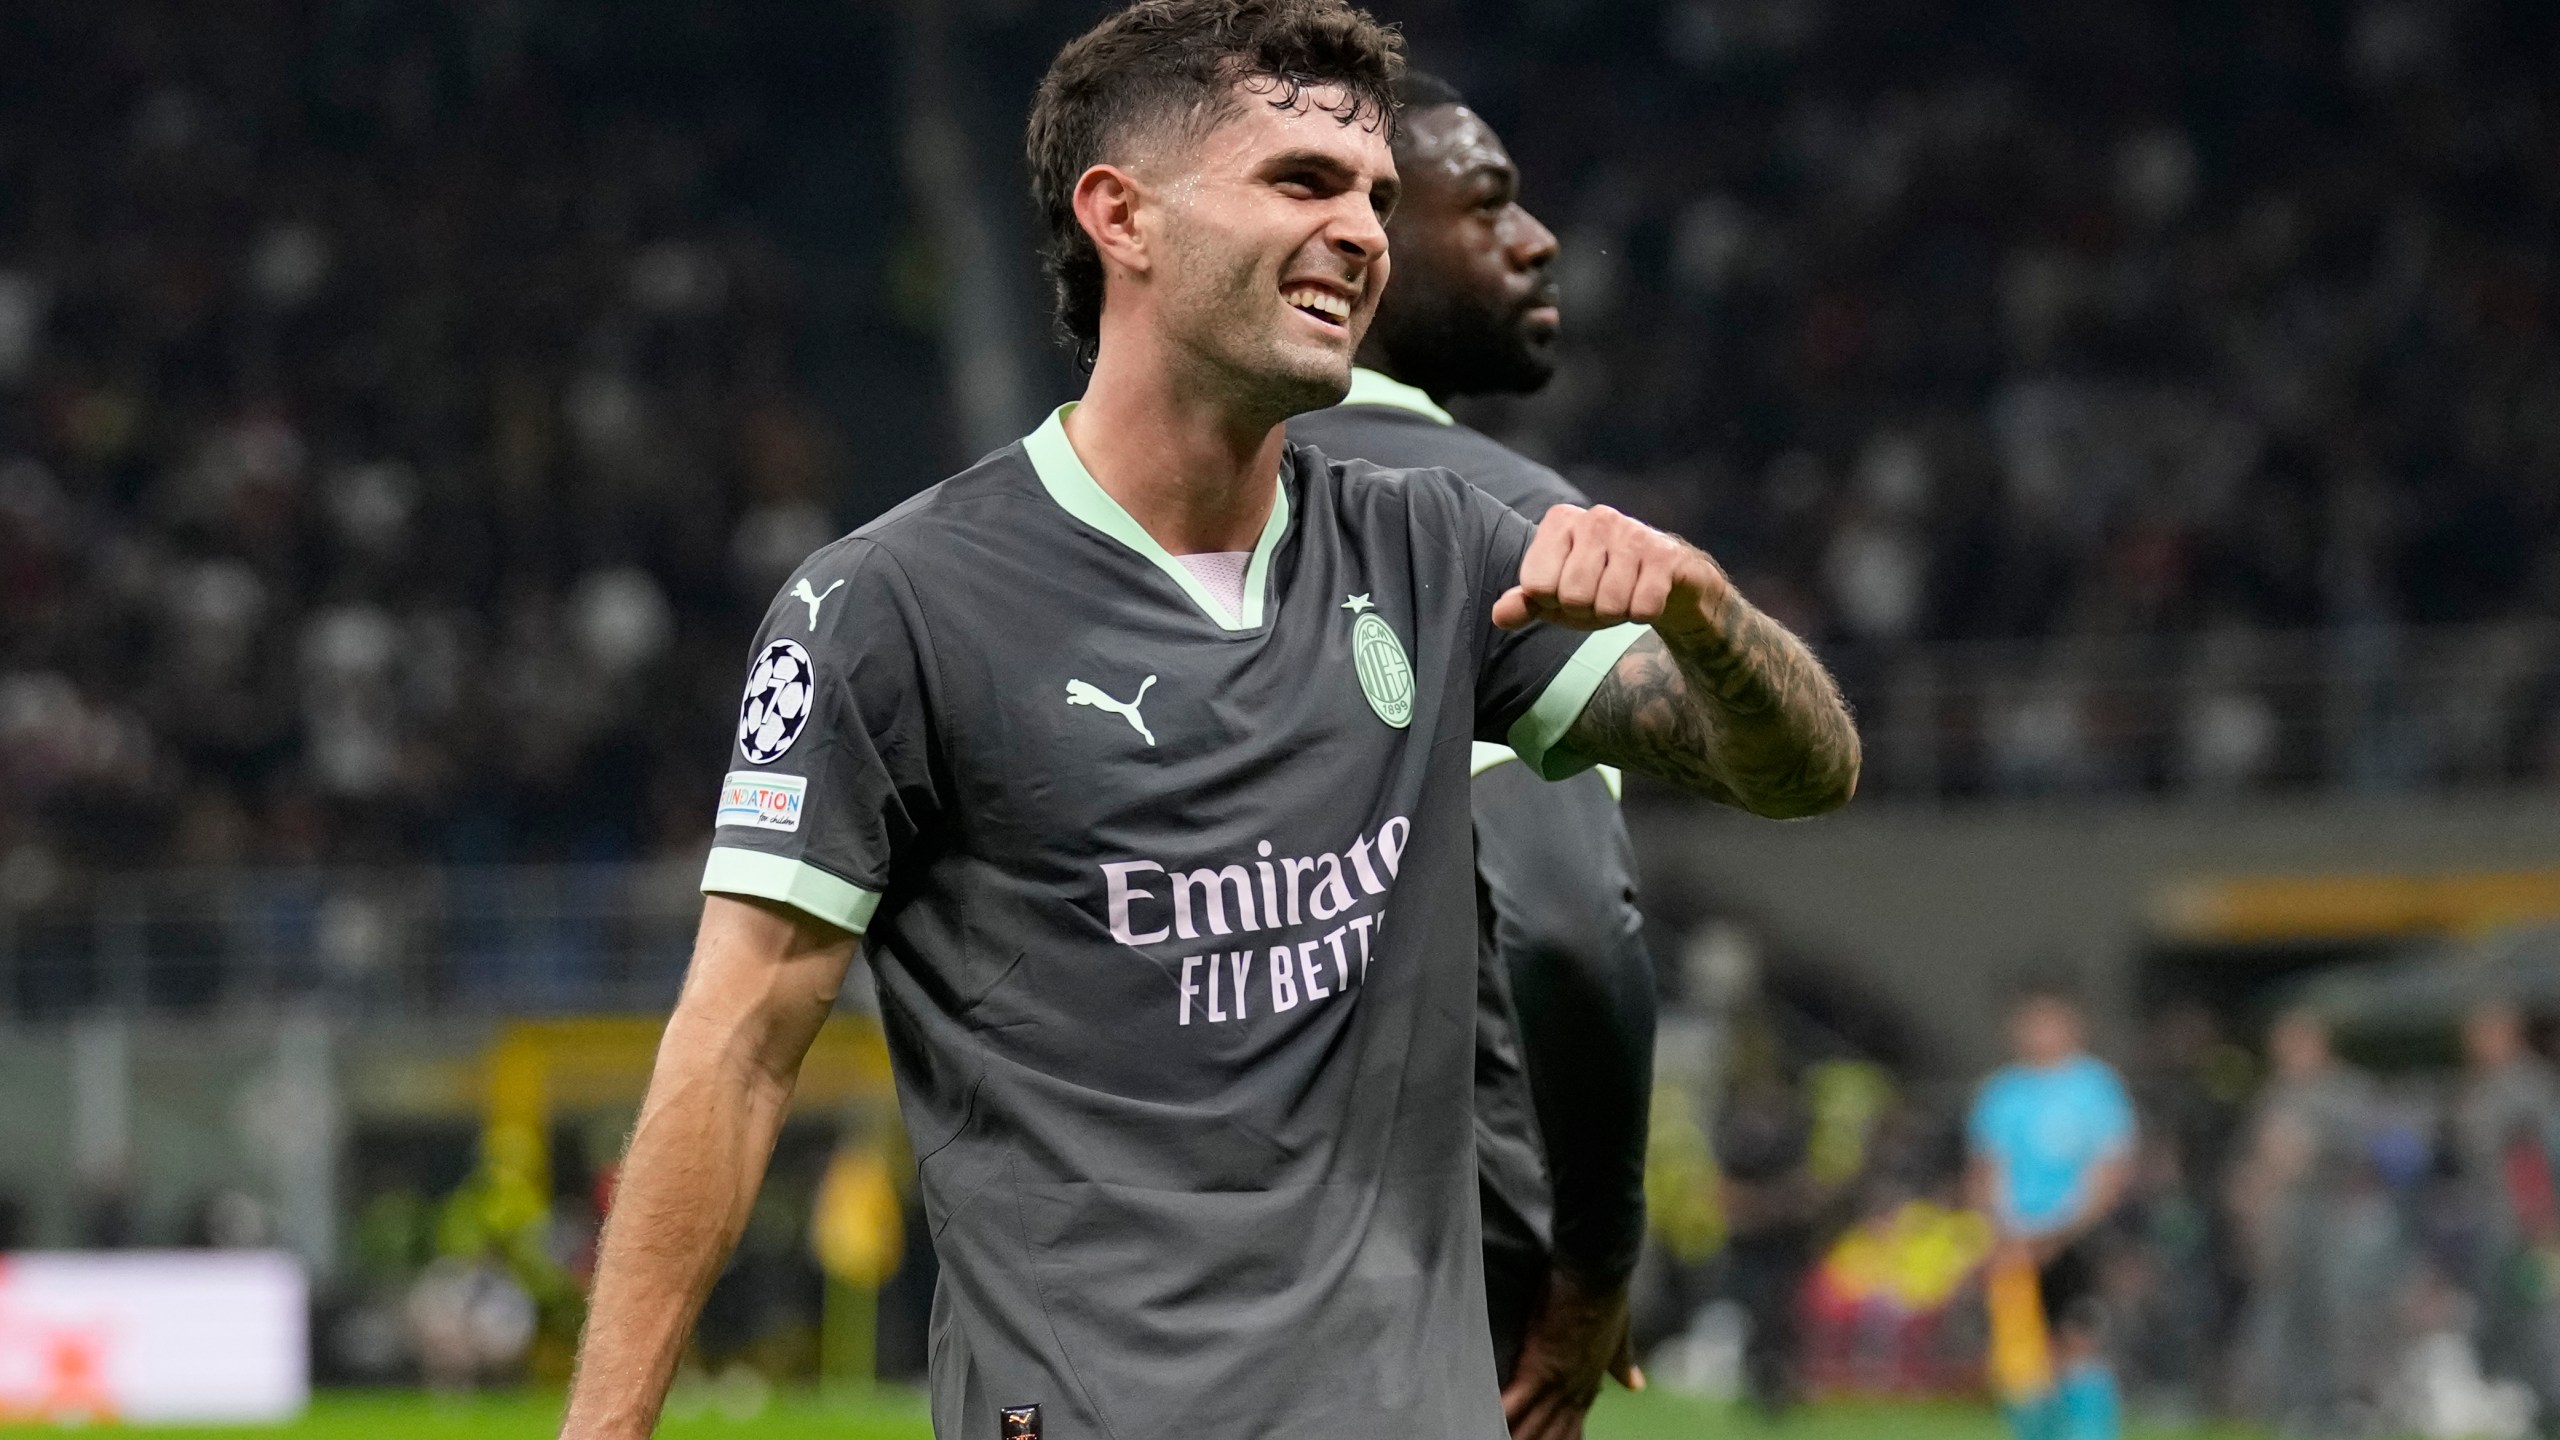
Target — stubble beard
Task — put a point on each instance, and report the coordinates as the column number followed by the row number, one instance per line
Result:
column 1230, row 329
column 1452, row 345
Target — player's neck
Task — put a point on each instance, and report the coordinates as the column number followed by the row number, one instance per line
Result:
column 1192, row 472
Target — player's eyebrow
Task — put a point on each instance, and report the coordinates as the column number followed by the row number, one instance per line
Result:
column 1333, row 168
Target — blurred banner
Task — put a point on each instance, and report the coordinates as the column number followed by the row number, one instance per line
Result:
column 153, row 1336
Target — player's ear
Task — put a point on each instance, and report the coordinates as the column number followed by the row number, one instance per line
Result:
column 1107, row 201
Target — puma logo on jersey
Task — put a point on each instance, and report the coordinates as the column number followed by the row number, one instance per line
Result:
column 813, row 598
column 1080, row 693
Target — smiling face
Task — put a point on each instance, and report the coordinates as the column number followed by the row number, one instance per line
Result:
column 1474, row 311
column 1271, row 248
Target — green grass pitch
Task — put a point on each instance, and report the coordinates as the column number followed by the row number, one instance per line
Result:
column 900, row 1415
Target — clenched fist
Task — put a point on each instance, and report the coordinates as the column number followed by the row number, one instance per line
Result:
column 1591, row 569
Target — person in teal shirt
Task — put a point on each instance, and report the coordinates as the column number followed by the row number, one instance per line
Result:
column 2051, row 1141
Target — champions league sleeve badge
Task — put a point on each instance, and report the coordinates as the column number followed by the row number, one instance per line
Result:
column 780, row 691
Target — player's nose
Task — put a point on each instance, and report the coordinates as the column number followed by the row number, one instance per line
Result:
column 1357, row 234
column 1533, row 245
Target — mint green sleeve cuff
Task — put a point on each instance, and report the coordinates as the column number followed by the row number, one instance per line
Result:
column 1538, row 736
column 796, row 883
column 1487, row 756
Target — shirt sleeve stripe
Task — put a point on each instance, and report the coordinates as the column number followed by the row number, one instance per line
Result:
column 1487, row 756
column 1536, row 735
column 796, row 883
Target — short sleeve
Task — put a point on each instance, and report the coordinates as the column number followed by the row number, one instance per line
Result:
column 1534, row 680
column 830, row 770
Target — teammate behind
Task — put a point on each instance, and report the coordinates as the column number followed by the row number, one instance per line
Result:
column 1162, row 862
column 1568, row 991
column 2051, row 1140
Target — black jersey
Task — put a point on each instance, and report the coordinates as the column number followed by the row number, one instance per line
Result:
column 1564, row 1061
column 1171, row 911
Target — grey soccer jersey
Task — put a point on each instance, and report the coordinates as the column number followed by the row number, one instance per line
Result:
column 1171, row 912
column 1564, row 1063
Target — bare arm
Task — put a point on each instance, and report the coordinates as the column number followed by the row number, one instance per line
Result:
column 762, row 982
column 1982, row 1184
column 2108, row 1182
column 1719, row 699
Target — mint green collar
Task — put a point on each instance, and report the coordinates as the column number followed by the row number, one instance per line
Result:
column 1063, row 475
column 1372, row 387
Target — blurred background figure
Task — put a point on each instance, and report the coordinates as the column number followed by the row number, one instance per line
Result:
column 858, row 1236
column 2318, row 1234
column 470, row 1322
column 2051, row 1138
column 2182, row 1282
column 1762, row 1147
column 2505, row 1118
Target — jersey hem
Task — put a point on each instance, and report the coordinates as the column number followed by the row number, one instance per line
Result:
column 796, row 883
column 1536, row 736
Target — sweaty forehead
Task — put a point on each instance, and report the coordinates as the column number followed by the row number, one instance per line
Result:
column 1258, row 128
column 1447, row 142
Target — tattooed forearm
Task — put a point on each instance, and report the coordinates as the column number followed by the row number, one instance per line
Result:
column 1718, row 698
column 1743, row 714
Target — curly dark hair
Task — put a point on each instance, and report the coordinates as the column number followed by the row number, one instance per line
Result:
column 1186, row 64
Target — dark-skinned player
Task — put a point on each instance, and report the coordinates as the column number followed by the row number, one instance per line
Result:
column 1564, row 1050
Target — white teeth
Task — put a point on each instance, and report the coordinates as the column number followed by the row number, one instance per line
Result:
column 1318, row 299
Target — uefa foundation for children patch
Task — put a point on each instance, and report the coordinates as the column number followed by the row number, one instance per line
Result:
column 760, row 800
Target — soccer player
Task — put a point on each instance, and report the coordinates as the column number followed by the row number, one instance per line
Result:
column 1160, row 856
column 2051, row 1139
column 1568, row 994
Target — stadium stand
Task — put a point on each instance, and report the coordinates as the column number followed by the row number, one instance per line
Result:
column 403, row 415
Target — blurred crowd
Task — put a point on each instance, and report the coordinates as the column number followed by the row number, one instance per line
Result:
column 404, row 410
column 2184, row 369
column 403, row 413
column 1985, row 321
column 2331, row 1251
